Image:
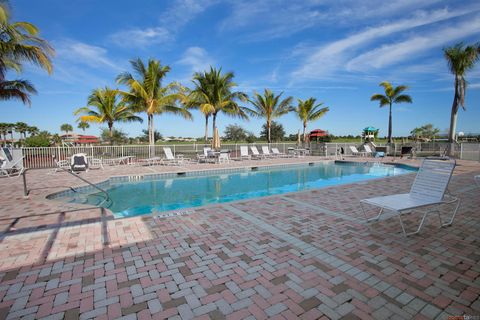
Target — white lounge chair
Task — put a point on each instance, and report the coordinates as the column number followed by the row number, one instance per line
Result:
column 368, row 150
column 266, row 152
column 355, row 151
column 255, row 153
column 279, row 154
column 11, row 163
column 61, row 165
column 244, row 153
column 429, row 188
column 152, row 161
column 171, row 159
column 224, row 156
column 204, row 157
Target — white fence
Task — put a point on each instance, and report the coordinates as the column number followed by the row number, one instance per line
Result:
column 42, row 157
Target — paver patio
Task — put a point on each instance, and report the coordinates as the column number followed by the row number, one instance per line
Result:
column 300, row 255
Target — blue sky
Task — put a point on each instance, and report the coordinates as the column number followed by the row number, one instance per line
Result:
column 336, row 51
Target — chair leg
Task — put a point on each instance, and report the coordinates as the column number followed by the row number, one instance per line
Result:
column 371, row 219
column 419, row 227
column 454, row 214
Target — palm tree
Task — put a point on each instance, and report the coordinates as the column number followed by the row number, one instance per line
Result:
column 22, row 128
column 66, row 127
column 460, row 59
column 32, row 130
column 147, row 95
column 4, row 127
column 19, row 42
column 105, row 108
column 212, row 94
column 392, row 95
column 269, row 106
column 83, row 125
column 309, row 111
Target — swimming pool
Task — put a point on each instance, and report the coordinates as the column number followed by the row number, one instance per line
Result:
column 137, row 195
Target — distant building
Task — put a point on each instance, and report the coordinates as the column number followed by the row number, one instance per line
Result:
column 79, row 139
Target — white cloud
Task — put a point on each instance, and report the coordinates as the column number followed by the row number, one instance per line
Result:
column 328, row 59
column 197, row 59
column 82, row 53
column 176, row 16
column 141, row 37
column 388, row 55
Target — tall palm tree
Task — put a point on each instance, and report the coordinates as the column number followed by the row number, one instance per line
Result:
column 83, row 125
column 213, row 94
column 103, row 107
column 146, row 93
column 66, row 127
column 269, row 106
column 19, row 42
column 309, row 111
column 4, row 130
column 32, row 130
column 460, row 59
column 21, row 128
column 392, row 95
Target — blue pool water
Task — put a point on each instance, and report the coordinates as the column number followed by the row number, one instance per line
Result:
column 159, row 193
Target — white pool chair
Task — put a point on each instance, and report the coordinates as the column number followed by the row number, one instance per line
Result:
column 428, row 189
column 244, row 153
column 279, row 154
column 11, row 162
column 355, row 151
column 266, row 152
column 224, row 156
column 204, row 157
column 152, row 161
column 171, row 159
column 255, row 153
column 368, row 150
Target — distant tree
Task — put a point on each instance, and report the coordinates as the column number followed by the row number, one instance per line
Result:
column 460, row 59
column 66, row 128
column 392, row 95
column 114, row 136
column 156, row 136
column 426, row 132
column 21, row 128
column 234, row 132
column 4, row 127
column 43, row 139
column 251, row 138
column 32, row 130
column 269, row 106
column 277, row 133
column 83, row 125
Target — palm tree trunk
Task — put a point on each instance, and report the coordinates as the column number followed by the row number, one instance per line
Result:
column 269, row 139
column 304, row 131
column 214, row 122
column 390, row 124
column 151, row 140
column 453, row 119
column 206, row 129
column 110, row 133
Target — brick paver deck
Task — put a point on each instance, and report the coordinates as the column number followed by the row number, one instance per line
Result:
column 300, row 255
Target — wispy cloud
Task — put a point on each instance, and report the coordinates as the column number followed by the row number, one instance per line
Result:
column 388, row 55
column 328, row 59
column 83, row 53
column 141, row 37
column 197, row 59
column 175, row 17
